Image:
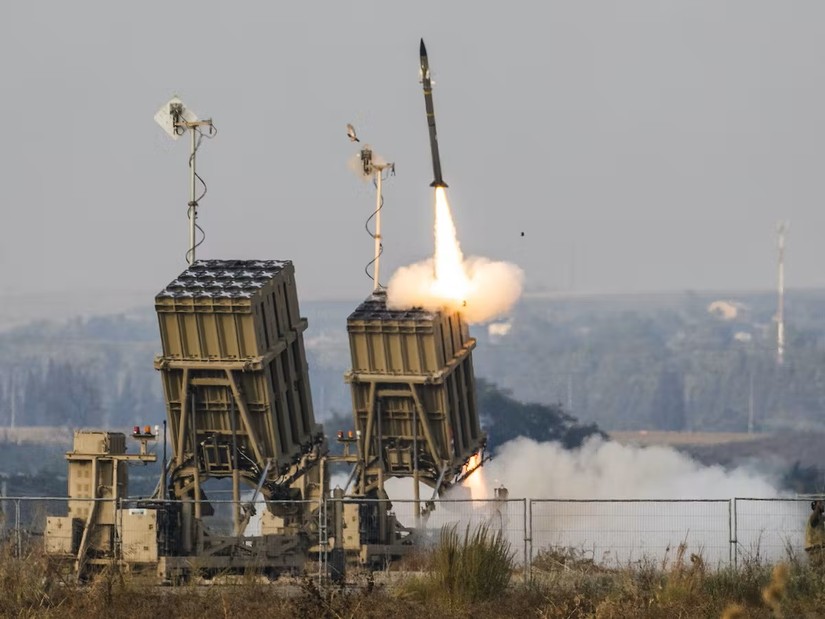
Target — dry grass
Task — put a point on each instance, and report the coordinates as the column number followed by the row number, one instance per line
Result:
column 465, row 569
column 681, row 586
column 566, row 584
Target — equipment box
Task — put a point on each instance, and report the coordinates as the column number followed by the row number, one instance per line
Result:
column 93, row 443
column 139, row 535
column 63, row 534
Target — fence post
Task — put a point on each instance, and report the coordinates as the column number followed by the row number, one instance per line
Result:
column 734, row 537
column 528, row 539
column 118, row 554
column 17, row 528
column 322, row 538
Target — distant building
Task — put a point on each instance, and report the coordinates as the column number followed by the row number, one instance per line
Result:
column 498, row 329
column 726, row 310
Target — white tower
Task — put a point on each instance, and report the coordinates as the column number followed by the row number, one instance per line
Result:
column 780, row 310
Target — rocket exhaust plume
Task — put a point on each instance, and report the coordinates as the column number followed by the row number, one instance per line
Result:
column 479, row 288
column 475, row 481
column 451, row 281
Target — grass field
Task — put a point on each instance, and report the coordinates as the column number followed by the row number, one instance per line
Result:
column 469, row 574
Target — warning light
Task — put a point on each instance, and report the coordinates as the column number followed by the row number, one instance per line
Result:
column 349, row 434
column 136, row 430
column 147, row 429
column 340, row 435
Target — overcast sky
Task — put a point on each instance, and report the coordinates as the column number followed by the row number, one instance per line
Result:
column 639, row 145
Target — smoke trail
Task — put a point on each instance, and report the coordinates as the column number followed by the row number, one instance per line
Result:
column 479, row 288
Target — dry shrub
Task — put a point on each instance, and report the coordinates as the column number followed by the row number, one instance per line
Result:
column 772, row 594
column 681, row 585
column 683, row 581
column 27, row 584
column 463, row 569
column 475, row 567
column 734, row 611
column 557, row 558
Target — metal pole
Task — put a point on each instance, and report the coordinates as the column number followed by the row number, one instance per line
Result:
column 735, row 537
column 780, row 310
column 118, row 554
column 528, row 541
column 195, row 463
column 730, row 534
column 236, row 474
column 338, row 563
column 13, row 398
column 323, row 539
column 17, row 528
column 416, row 489
column 750, row 403
column 378, row 413
column 163, row 487
column 163, row 497
column 4, row 506
column 115, row 512
column 193, row 206
column 377, row 270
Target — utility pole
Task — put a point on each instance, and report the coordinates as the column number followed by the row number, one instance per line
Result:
column 780, row 310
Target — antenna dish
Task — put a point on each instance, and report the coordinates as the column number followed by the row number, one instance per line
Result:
column 173, row 117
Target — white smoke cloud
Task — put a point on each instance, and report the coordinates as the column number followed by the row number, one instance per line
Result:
column 479, row 288
column 494, row 287
column 608, row 470
column 603, row 470
column 616, row 533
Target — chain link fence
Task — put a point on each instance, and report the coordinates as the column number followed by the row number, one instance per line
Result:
column 609, row 533
column 768, row 530
column 624, row 533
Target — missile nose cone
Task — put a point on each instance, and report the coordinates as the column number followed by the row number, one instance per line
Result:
column 422, row 50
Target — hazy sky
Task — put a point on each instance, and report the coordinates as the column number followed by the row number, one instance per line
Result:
column 640, row 145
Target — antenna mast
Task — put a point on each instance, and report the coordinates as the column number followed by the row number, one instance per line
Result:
column 371, row 167
column 176, row 119
column 780, row 310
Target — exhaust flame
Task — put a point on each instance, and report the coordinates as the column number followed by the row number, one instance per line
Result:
column 475, row 481
column 479, row 288
column 451, row 281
